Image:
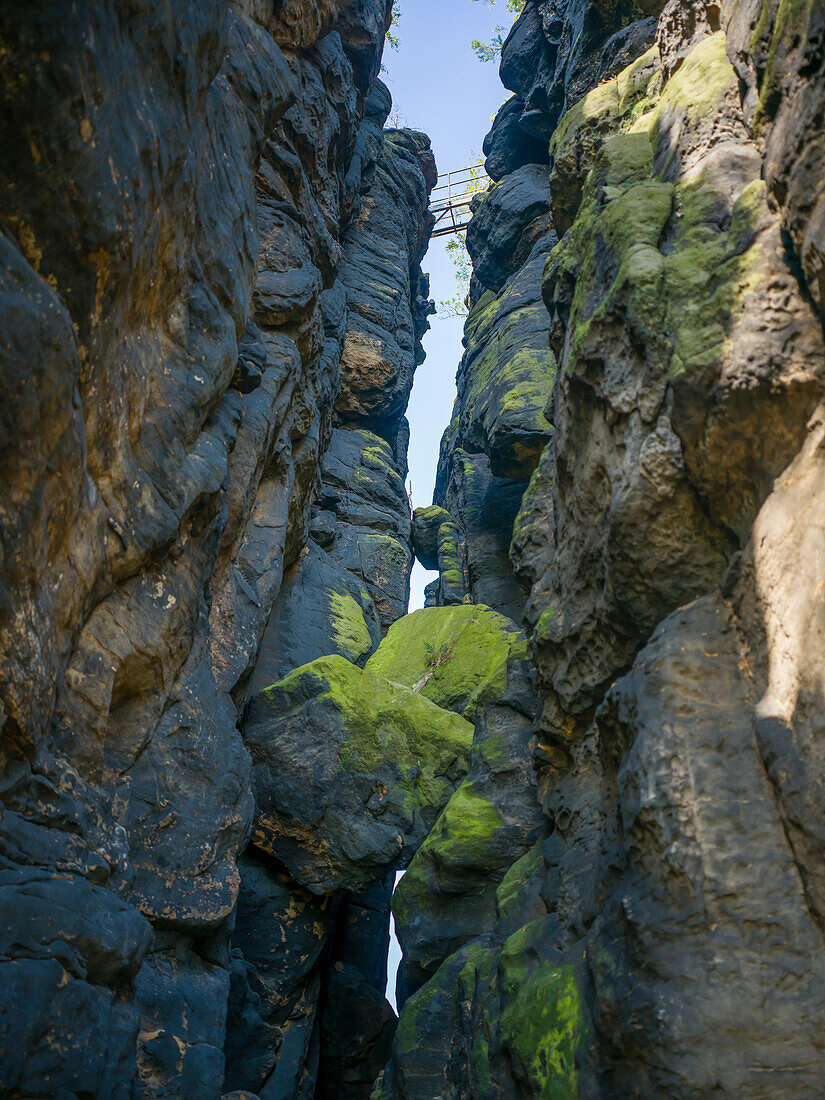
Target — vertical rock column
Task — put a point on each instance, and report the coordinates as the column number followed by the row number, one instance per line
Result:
column 323, row 1023
column 173, row 321
column 665, row 936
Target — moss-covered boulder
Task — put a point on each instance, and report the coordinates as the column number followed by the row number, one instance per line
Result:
column 472, row 660
column 426, row 1034
column 449, row 894
column 521, row 894
column 452, row 589
column 542, row 1024
column 455, row 656
column 426, row 524
column 349, row 772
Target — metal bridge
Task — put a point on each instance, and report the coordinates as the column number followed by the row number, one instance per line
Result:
column 451, row 198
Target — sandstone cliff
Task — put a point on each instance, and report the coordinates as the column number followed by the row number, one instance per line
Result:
column 210, row 268
column 644, row 372
column 597, row 753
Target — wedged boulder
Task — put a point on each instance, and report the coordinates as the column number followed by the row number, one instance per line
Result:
column 508, row 147
column 439, row 541
column 457, row 657
column 507, row 222
column 451, row 585
column 350, row 772
column 474, row 661
column 423, row 1040
column 426, row 525
column 448, row 895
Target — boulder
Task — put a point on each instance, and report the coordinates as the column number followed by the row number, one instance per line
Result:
column 427, row 523
column 349, row 772
column 455, row 656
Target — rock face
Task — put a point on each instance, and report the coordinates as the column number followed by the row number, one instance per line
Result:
column 598, row 752
column 202, row 202
column 662, row 936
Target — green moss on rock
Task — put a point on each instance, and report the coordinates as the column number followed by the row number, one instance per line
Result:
column 481, row 643
column 681, row 301
column 350, row 771
column 611, row 108
column 349, row 627
column 461, row 843
column 543, row 1027
column 427, row 523
column 510, row 896
column 429, row 1025
column 450, row 569
column 383, row 721
column 699, row 84
column 506, row 377
column 788, row 26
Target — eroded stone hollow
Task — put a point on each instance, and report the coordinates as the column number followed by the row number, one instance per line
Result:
column 597, row 753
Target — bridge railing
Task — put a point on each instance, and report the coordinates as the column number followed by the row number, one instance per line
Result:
column 452, row 197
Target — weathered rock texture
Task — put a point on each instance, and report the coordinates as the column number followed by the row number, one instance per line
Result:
column 221, row 735
column 664, row 936
column 210, row 260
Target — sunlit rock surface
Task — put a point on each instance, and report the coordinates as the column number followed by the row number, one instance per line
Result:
column 663, row 935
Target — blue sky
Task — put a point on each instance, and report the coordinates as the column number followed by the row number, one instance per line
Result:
column 439, row 86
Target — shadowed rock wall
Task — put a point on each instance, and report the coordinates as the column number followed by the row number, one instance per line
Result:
column 182, row 212
column 664, row 936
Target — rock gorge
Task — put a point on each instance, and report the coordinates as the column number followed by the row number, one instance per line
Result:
column 597, row 752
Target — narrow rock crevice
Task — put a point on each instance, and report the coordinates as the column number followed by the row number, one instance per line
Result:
column 596, row 754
